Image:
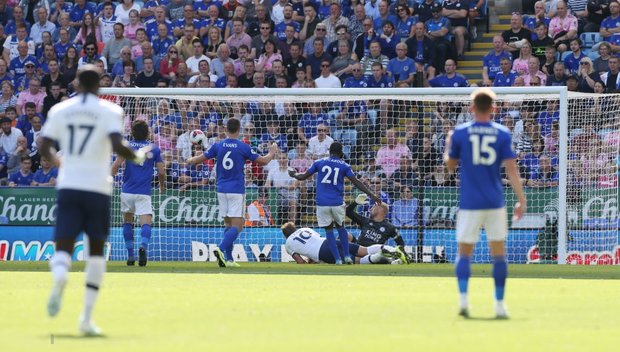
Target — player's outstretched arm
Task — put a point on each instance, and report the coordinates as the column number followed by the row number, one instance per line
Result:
column 513, row 176
column 299, row 259
column 296, row 175
column 363, row 188
column 120, row 146
column 116, row 165
column 161, row 175
column 264, row 160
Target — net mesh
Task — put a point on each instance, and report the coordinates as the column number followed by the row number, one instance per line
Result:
column 394, row 144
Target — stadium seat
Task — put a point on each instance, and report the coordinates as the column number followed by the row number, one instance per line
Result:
column 604, row 132
column 593, row 56
column 574, row 133
column 372, row 116
column 589, row 39
column 595, row 223
column 139, row 3
column 485, row 14
column 92, row 3
column 348, row 138
column 565, row 54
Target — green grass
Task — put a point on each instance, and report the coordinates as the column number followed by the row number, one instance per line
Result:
column 287, row 307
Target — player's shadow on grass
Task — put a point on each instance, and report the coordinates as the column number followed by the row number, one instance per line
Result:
column 485, row 319
column 78, row 336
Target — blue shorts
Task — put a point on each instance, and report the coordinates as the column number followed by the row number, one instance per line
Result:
column 82, row 211
column 326, row 256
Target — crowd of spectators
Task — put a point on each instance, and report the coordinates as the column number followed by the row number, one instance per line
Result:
column 307, row 44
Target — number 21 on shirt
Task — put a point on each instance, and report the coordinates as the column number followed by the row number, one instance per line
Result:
column 328, row 172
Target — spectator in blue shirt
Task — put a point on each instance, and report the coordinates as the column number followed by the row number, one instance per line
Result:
column 506, row 77
column 572, row 61
column 405, row 213
column 46, row 176
column 492, row 60
column 402, row 68
column 384, row 16
column 22, row 177
column 358, row 80
column 421, row 49
column 388, row 40
column 78, row 11
column 546, row 175
column 450, row 78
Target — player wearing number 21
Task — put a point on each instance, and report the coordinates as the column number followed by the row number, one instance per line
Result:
column 231, row 155
column 482, row 146
column 86, row 128
column 330, row 208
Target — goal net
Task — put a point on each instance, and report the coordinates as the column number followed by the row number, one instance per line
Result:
column 567, row 147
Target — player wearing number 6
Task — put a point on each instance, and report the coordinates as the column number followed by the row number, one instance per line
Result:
column 231, row 155
column 481, row 146
column 330, row 208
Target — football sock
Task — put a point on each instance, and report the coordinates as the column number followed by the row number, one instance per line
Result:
column 95, row 268
column 500, row 272
column 343, row 236
column 146, row 236
column 365, row 260
column 374, row 249
column 331, row 242
column 60, row 265
column 128, row 236
column 227, row 243
column 463, row 271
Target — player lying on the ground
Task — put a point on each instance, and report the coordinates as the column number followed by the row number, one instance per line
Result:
column 375, row 230
column 308, row 243
column 331, row 172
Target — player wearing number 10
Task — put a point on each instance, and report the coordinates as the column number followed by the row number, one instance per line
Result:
column 86, row 129
column 231, row 155
column 330, row 207
column 482, row 146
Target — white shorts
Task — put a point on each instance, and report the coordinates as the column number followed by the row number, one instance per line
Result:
column 327, row 214
column 232, row 205
column 468, row 223
column 137, row 204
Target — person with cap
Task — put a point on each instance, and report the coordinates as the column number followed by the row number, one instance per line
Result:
column 258, row 213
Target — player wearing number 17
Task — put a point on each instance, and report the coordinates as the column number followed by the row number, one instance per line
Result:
column 482, row 146
column 231, row 155
column 330, row 208
column 87, row 129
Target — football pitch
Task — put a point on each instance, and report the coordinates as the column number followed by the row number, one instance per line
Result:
column 182, row 306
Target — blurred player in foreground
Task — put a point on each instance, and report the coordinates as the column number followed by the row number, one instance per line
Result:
column 331, row 172
column 136, row 191
column 86, row 129
column 376, row 229
column 231, row 155
column 482, row 146
column 308, row 243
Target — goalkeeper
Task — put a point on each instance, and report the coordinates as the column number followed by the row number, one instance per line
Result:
column 376, row 229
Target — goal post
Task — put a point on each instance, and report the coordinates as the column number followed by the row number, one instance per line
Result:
column 580, row 235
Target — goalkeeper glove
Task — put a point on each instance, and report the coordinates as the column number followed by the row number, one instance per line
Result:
column 362, row 199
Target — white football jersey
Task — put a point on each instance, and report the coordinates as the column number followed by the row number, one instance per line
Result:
column 82, row 126
column 306, row 242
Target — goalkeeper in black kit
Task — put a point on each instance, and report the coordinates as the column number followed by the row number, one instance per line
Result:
column 376, row 229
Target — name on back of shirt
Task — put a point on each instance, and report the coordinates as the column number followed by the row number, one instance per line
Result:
column 229, row 145
column 482, row 130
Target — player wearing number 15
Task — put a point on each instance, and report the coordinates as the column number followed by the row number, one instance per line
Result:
column 482, row 146
column 87, row 129
column 330, row 208
column 231, row 155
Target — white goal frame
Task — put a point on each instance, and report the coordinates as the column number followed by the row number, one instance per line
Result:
column 392, row 93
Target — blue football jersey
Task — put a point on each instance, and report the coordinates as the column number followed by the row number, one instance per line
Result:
column 330, row 180
column 138, row 177
column 481, row 148
column 231, row 155
column 41, row 177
